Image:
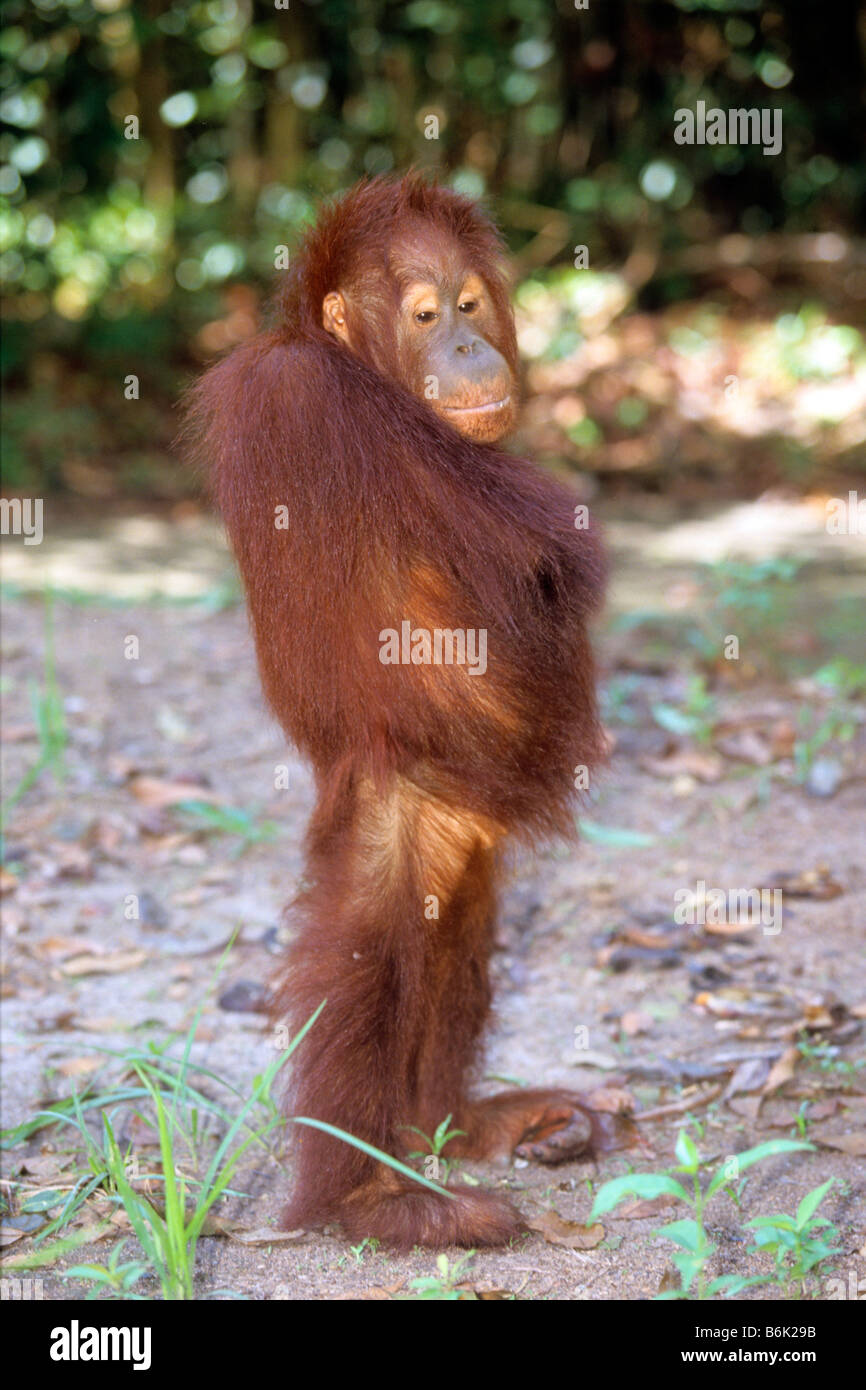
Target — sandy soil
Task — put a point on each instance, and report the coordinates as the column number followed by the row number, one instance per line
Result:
column 698, row 1022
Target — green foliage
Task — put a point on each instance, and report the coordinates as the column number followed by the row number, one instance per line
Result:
column 112, row 1280
column 694, row 718
column 436, row 1143
column 739, row 586
column 748, row 599
column 798, row 1248
column 442, row 1286
column 826, row 1058
column 835, row 726
column 841, row 682
column 168, row 1229
column 372, row 1152
column 228, row 820
column 247, row 115
column 36, row 433
column 617, row 695
column 743, row 597
column 614, row 836
column 794, row 1241
column 368, row 1246
column 842, row 678
column 49, row 718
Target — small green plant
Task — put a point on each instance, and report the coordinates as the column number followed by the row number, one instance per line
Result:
column 757, row 588
column 169, row 1227
column 826, row 1057
column 436, row 1144
column 843, row 678
column 689, row 1236
column 613, row 836
column 168, row 1231
column 442, row 1286
column 114, row 1280
column 227, row 820
column 617, row 695
column 731, row 597
column 837, row 726
column 746, row 598
column 49, row 718
column 369, row 1245
column 694, row 718
column 794, row 1242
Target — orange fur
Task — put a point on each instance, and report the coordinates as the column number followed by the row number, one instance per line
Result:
column 421, row 769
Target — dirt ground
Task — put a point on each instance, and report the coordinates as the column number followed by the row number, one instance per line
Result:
column 596, row 984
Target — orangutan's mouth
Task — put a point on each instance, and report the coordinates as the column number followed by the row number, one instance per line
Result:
column 487, row 408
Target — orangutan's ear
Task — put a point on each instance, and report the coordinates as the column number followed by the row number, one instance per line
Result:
column 334, row 316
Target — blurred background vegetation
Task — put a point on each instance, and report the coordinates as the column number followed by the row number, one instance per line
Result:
column 714, row 343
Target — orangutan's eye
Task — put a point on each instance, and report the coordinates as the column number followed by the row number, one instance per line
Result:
column 426, row 316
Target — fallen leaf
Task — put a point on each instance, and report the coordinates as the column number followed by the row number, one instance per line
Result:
column 73, row 861
column 266, row 1235
column 746, row 747
column 633, row 1022
column 218, row 874
column 54, row 946
column 19, row 733
column 667, row 936
column 46, row 1167
column 104, row 835
column 823, row 1109
column 729, row 928
column 813, row 1018
column 377, row 1294
column 685, row 762
column 190, row 897
column 103, row 965
column 639, row 1211
column 750, row 1075
column 9, row 1236
column 783, row 736
column 783, row 1117
column 156, row 792
column 736, row 1002
column 572, row 1235
column 853, row 1144
column 747, row 1106
column 815, row 883
column 782, row 1070
column 80, row 1066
